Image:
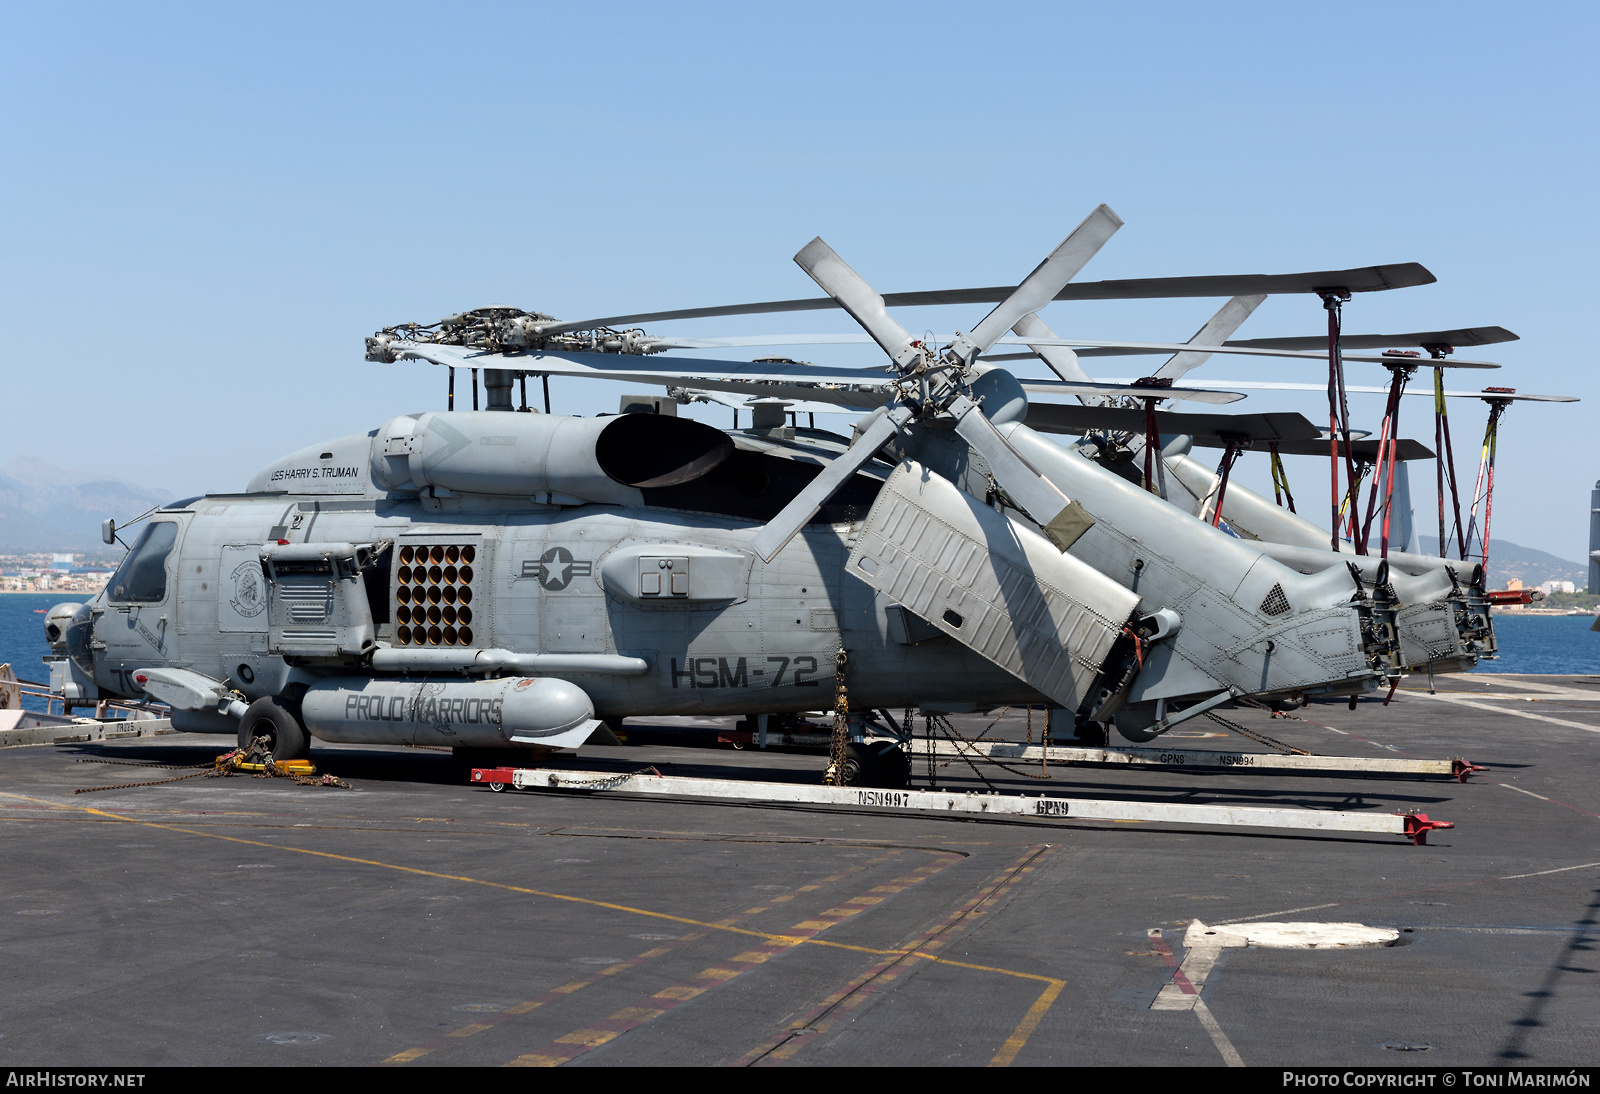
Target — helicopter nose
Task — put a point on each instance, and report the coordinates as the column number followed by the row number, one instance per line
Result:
column 68, row 628
column 57, row 621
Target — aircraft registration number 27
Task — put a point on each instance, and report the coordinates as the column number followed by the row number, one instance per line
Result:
column 725, row 672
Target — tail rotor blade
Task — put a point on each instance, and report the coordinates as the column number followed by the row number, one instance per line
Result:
column 793, row 517
column 858, row 298
column 1047, row 279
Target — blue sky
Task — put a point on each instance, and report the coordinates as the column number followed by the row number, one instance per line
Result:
column 206, row 208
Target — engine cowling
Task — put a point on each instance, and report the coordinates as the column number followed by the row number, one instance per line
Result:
column 544, row 456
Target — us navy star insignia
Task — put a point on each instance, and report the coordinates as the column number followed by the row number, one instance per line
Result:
column 555, row 569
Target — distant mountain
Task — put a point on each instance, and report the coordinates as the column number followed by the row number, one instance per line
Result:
column 48, row 508
column 1528, row 565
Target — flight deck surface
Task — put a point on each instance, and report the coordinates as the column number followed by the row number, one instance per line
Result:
column 419, row 920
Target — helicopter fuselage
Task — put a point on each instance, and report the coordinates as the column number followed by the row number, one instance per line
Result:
column 734, row 635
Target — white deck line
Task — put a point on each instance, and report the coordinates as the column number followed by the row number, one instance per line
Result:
column 1512, row 680
column 1511, row 711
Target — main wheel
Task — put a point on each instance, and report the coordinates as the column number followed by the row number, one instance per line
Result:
column 1088, row 734
column 894, row 768
column 860, row 765
column 278, row 720
column 1137, row 722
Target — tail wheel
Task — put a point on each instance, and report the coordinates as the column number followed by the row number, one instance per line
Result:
column 277, row 719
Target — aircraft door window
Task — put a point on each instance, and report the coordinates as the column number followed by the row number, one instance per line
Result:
column 142, row 577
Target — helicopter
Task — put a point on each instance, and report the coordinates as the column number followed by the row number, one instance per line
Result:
column 1443, row 618
column 491, row 579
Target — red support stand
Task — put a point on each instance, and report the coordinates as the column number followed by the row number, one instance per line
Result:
column 1152, row 442
column 1418, row 826
column 1484, row 486
column 1338, row 409
column 1155, row 470
column 1388, row 447
column 1444, row 453
column 1234, row 445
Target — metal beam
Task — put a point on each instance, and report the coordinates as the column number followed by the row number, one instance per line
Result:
column 1413, row 826
column 1012, row 753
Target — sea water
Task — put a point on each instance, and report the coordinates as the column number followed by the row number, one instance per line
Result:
column 22, row 643
column 1554, row 644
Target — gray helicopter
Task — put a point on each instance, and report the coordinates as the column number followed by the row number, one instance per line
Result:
column 1443, row 610
column 490, row 580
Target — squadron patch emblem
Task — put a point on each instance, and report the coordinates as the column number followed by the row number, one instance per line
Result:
column 249, row 590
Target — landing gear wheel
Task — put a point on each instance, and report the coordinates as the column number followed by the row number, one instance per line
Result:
column 1087, row 734
column 894, row 769
column 860, row 766
column 277, row 719
column 498, row 788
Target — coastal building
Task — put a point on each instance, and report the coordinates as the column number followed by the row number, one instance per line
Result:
column 1594, row 539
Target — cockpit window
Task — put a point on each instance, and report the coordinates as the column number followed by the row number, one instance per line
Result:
column 142, row 577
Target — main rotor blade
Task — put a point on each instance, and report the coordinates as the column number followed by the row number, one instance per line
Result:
column 1030, row 491
column 1399, row 275
column 1420, row 392
column 751, row 341
column 1063, row 360
column 861, row 389
column 858, row 298
column 748, row 401
column 1217, row 328
column 1138, row 391
column 1208, row 430
column 794, row 516
column 1037, row 340
column 1047, row 279
column 1086, row 345
column 1466, row 336
column 1366, row 451
column 627, row 366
